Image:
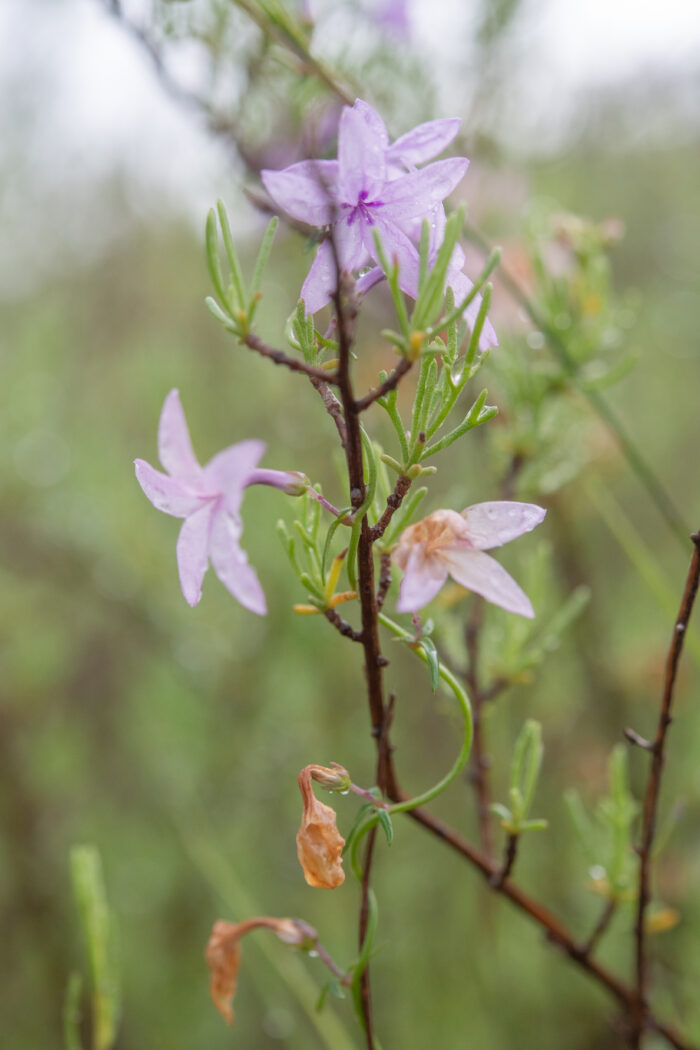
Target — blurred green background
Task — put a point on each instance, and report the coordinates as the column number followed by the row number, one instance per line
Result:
column 170, row 737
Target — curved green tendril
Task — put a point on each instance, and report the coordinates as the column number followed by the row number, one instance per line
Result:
column 465, row 706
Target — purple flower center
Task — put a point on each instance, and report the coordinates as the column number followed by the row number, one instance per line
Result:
column 362, row 210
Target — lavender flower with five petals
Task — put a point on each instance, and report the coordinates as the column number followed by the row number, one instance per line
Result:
column 450, row 544
column 363, row 190
column 209, row 500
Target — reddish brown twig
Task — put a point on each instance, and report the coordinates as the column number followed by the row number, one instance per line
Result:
column 391, row 381
column 600, row 927
column 653, row 789
column 341, row 625
column 374, row 661
column 394, row 501
column 384, row 579
column 333, row 406
column 295, row 364
column 511, row 852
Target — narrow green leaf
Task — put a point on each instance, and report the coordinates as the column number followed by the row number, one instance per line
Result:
column 475, row 336
column 263, row 255
column 357, row 823
column 235, row 268
column 332, row 529
column 433, row 662
column 72, row 1013
column 534, row 825
column 431, row 297
column 223, row 318
column 533, row 761
column 453, row 313
column 385, row 821
column 213, row 261
column 391, row 272
column 97, row 923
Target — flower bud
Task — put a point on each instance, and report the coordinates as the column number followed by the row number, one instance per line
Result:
column 296, row 483
column 293, row 482
column 335, row 779
column 319, row 843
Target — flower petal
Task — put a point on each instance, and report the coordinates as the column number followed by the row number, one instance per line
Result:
column 348, row 234
column 361, row 155
column 400, row 247
column 416, row 193
column 423, row 142
column 500, row 521
column 167, row 494
column 231, row 564
column 321, row 280
column 373, row 121
column 422, row 579
column 174, row 445
column 368, row 280
column 306, row 191
column 192, row 548
column 228, row 472
column 482, row 574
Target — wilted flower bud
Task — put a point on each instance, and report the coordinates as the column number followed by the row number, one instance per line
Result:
column 319, row 843
column 335, row 779
column 223, row 953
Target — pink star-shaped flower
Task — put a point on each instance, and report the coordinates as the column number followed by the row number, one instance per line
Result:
column 209, row 500
column 450, row 544
column 365, row 189
column 375, row 184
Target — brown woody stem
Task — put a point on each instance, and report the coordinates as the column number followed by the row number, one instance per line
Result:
column 653, row 790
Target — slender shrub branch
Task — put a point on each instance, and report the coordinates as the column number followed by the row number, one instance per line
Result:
column 653, row 788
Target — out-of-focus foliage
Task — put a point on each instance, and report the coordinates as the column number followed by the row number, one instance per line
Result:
column 171, row 737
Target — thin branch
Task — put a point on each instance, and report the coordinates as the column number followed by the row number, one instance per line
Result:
column 384, row 579
column 391, row 381
column 511, row 852
column 557, row 933
column 374, row 661
column 333, row 406
column 653, row 789
column 341, row 625
column 253, row 342
column 297, row 48
column 394, row 501
column 479, row 774
column 601, row 926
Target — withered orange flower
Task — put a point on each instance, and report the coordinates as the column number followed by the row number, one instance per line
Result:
column 223, row 954
column 319, row 843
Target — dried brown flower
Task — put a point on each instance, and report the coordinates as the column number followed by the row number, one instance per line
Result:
column 223, row 954
column 319, row 843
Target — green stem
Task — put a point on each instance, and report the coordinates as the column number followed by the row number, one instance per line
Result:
column 465, row 706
